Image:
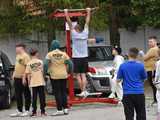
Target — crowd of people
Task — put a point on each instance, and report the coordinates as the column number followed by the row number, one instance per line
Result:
column 30, row 71
column 127, row 82
column 131, row 75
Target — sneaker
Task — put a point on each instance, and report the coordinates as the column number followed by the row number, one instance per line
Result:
column 43, row 114
column 58, row 113
column 33, row 115
column 86, row 94
column 17, row 114
column 66, row 111
column 25, row 114
column 81, row 94
column 112, row 95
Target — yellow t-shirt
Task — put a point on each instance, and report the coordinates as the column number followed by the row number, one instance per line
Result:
column 20, row 65
column 57, row 67
column 150, row 58
column 35, row 69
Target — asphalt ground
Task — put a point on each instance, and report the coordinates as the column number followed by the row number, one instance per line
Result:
column 94, row 111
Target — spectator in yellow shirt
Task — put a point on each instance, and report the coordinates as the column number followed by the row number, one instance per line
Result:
column 59, row 65
column 34, row 73
column 150, row 59
column 21, row 87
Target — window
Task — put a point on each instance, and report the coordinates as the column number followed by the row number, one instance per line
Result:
column 100, row 53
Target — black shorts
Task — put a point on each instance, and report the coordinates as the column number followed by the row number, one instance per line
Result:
column 80, row 65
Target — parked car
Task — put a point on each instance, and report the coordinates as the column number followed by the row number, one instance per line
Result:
column 6, row 84
column 100, row 64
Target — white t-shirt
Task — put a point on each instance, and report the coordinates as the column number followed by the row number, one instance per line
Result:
column 118, row 60
column 79, row 43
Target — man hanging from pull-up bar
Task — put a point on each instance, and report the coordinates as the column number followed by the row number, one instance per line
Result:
column 80, row 50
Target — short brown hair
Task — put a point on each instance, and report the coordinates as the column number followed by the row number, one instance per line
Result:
column 33, row 51
column 21, row 45
column 152, row 37
column 133, row 52
column 79, row 27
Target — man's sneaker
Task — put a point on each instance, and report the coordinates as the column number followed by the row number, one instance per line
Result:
column 25, row 114
column 81, row 94
column 33, row 115
column 66, row 111
column 86, row 94
column 43, row 114
column 112, row 95
column 58, row 113
column 17, row 114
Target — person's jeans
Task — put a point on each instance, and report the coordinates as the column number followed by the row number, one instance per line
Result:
column 38, row 91
column 60, row 92
column 134, row 102
column 150, row 79
column 21, row 90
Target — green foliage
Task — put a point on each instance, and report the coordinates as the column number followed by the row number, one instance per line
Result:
column 99, row 19
column 13, row 22
column 130, row 14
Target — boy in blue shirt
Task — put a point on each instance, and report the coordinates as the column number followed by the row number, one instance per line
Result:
column 133, row 74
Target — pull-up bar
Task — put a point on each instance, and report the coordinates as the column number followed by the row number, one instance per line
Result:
column 72, row 12
column 76, row 10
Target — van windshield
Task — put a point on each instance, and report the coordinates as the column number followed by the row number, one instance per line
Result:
column 100, row 53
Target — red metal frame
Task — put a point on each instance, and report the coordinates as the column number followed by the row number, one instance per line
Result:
column 71, row 14
column 72, row 99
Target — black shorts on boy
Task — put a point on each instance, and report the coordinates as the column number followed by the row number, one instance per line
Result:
column 80, row 65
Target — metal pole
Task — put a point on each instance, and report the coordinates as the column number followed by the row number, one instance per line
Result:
column 70, row 78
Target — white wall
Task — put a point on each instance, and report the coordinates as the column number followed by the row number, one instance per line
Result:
column 7, row 45
column 137, row 39
column 128, row 39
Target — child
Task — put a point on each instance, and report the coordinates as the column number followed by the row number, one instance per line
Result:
column 133, row 75
column 116, row 87
column 34, row 73
column 157, row 84
column 56, row 63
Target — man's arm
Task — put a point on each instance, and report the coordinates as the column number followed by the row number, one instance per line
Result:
column 69, row 65
column 88, row 16
column 13, row 75
column 120, row 74
column 148, row 55
column 143, row 74
column 68, row 18
column 25, row 75
column 26, row 78
column 45, row 66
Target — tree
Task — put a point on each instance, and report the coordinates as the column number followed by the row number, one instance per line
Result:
column 112, row 14
column 6, row 6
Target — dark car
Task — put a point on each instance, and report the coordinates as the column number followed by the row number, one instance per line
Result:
column 6, row 83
